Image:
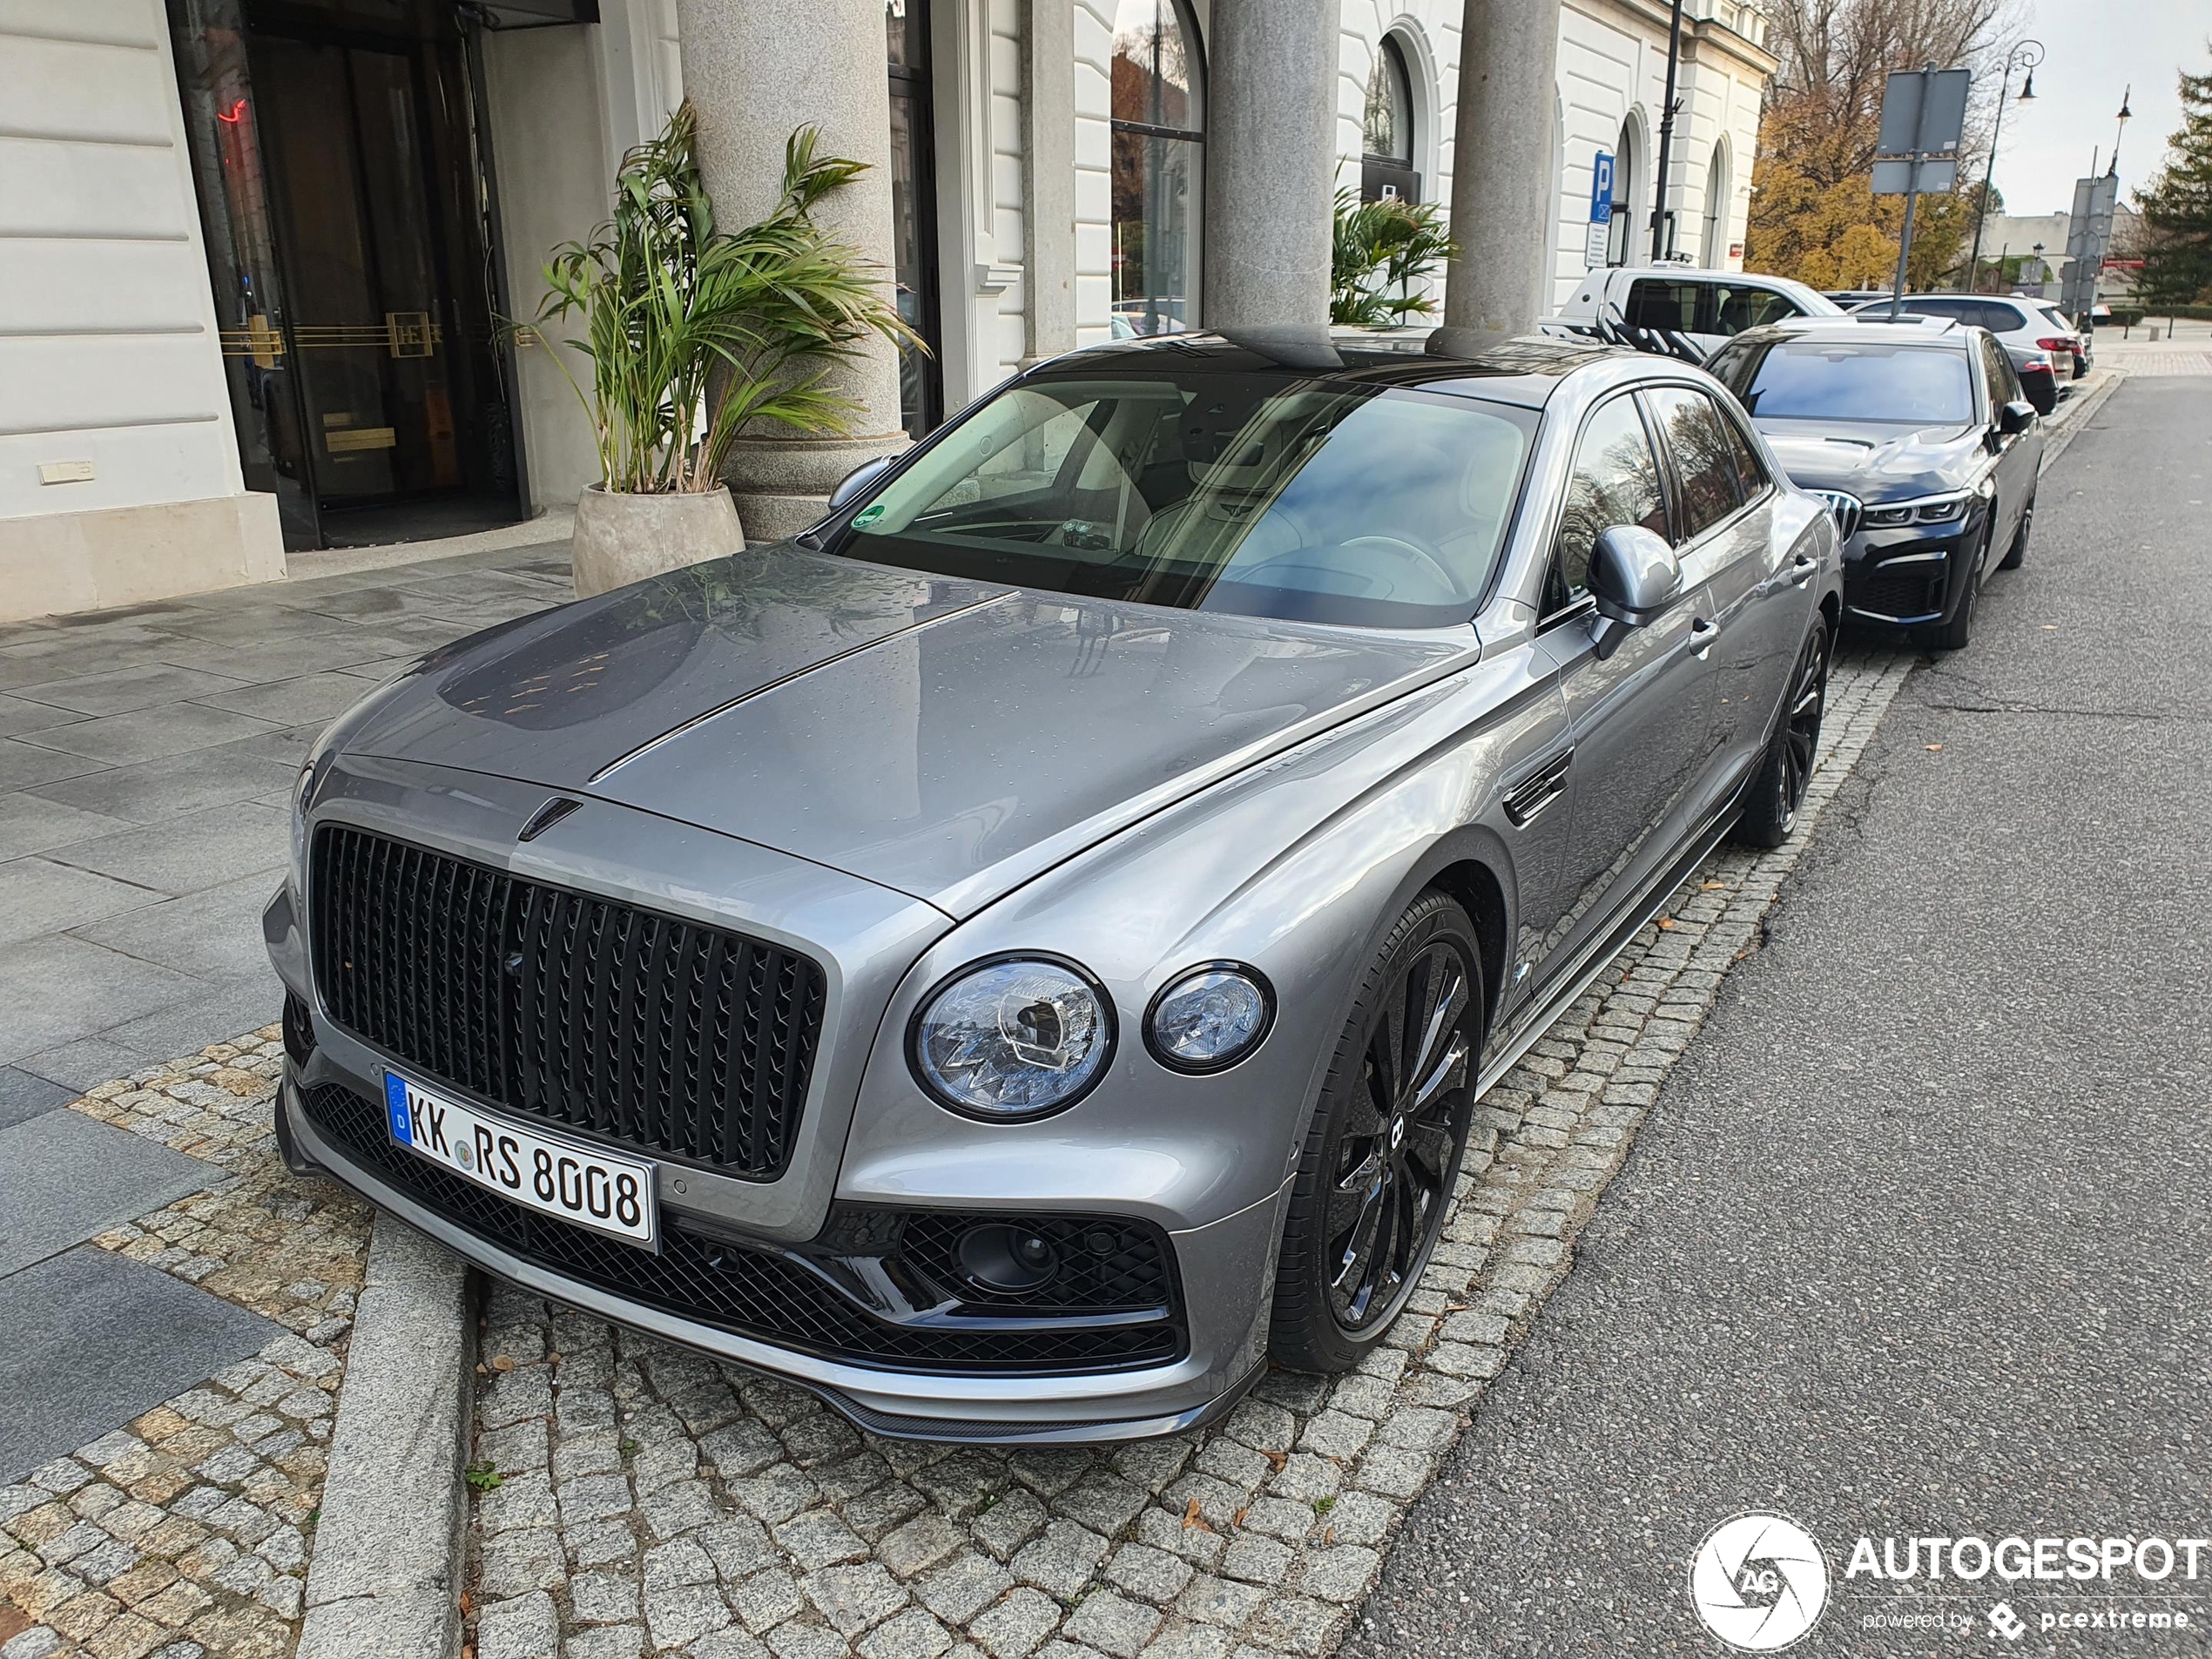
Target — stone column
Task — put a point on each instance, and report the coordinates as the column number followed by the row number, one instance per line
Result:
column 755, row 73
column 1503, row 211
column 1048, row 175
column 1271, row 162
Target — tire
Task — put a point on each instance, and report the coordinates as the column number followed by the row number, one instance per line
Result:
column 1956, row 634
column 1384, row 1150
column 2016, row 555
column 1778, row 793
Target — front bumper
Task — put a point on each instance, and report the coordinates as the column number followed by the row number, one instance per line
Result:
column 1130, row 1158
column 1904, row 577
column 1216, row 1351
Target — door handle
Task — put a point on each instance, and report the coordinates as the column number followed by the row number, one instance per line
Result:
column 1702, row 635
column 1801, row 569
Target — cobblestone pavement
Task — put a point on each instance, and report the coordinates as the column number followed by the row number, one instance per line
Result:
column 633, row 1497
column 186, row 1532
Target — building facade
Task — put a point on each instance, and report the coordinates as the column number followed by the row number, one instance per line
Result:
column 259, row 258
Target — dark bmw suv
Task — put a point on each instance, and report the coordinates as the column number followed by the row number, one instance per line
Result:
column 1917, row 435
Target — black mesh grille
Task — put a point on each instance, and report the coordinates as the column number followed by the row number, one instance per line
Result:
column 665, row 1035
column 751, row 1292
column 1904, row 591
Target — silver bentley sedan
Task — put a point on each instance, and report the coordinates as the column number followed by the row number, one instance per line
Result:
column 1023, row 956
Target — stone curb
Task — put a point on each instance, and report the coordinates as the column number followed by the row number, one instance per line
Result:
column 384, row 1575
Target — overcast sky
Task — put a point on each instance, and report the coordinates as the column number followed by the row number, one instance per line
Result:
column 2093, row 49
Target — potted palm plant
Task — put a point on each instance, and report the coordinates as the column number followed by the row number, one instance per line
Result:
column 693, row 333
column 1379, row 250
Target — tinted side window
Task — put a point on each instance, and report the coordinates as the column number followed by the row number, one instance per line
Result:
column 1743, row 308
column 1957, row 310
column 1704, row 467
column 1750, row 471
column 1999, row 318
column 1657, row 303
column 1615, row 481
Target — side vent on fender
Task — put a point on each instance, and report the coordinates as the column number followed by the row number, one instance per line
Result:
column 1539, row 789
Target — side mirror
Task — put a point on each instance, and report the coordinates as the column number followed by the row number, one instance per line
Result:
column 2016, row 416
column 1633, row 576
column 2042, row 389
column 856, row 482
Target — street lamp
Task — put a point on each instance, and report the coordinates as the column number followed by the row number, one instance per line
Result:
column 2025, row 55
column 2126, row 115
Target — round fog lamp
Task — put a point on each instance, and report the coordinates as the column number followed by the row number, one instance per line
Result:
column 1008, row 1259
column 1210, row 1018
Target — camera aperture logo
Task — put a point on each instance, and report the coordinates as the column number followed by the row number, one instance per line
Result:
column 1758, row 1582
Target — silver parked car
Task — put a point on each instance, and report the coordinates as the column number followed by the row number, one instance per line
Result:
column 1026, row 954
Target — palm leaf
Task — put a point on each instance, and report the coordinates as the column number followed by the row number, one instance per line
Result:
column 694, row 333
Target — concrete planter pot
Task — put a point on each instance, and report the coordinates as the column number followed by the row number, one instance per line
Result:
column 620, row 538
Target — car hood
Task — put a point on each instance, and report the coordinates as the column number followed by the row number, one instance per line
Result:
column 946, row 738
column 1872, row 461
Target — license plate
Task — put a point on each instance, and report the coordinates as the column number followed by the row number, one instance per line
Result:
column 592, row 1188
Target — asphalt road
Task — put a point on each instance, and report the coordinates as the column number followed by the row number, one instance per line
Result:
column 1916, row 1240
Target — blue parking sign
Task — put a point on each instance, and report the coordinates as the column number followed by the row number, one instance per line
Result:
column 1602, row 189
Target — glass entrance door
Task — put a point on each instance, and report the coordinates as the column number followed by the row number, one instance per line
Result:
column 375, row 377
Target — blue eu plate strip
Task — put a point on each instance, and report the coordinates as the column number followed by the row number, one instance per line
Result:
column 395, row 1103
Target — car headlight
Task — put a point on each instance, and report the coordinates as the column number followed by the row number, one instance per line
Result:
column 1933, row 509
column 1210, row 1018
column 303, row 791
column 1013, row 1038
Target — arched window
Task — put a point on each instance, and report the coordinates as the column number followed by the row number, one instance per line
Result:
column 1620, row 243
column 1717, row 211
column 1387, row 128
column 1159, row 159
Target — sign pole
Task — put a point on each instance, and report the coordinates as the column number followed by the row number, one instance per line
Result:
column 1904, row 242
column 1924, row 115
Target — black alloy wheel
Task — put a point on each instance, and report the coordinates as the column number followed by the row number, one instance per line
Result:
column 1778, row 795
column 1384, row 1148
column 1958, row 632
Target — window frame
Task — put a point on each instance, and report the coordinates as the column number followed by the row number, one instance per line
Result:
column 1748, row 285
column 1993, row 386
column 1186, row 23
column 1579, row 603
column 1390, row 58
column 1671, row 476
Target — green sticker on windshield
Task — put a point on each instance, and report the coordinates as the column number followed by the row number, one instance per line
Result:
column 866, row 517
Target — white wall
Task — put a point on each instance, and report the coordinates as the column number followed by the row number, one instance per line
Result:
column 109, row 352
column 1094, row 171
column 975, row 98
column 1612, row 68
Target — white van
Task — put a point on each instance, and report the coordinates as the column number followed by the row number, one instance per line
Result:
column 1662, row 306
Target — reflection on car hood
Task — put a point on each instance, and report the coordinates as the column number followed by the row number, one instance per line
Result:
column 1873, row 461
column 947, row 739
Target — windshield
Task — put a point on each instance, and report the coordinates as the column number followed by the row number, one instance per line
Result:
column 1268, row 496
column 1834, row 380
